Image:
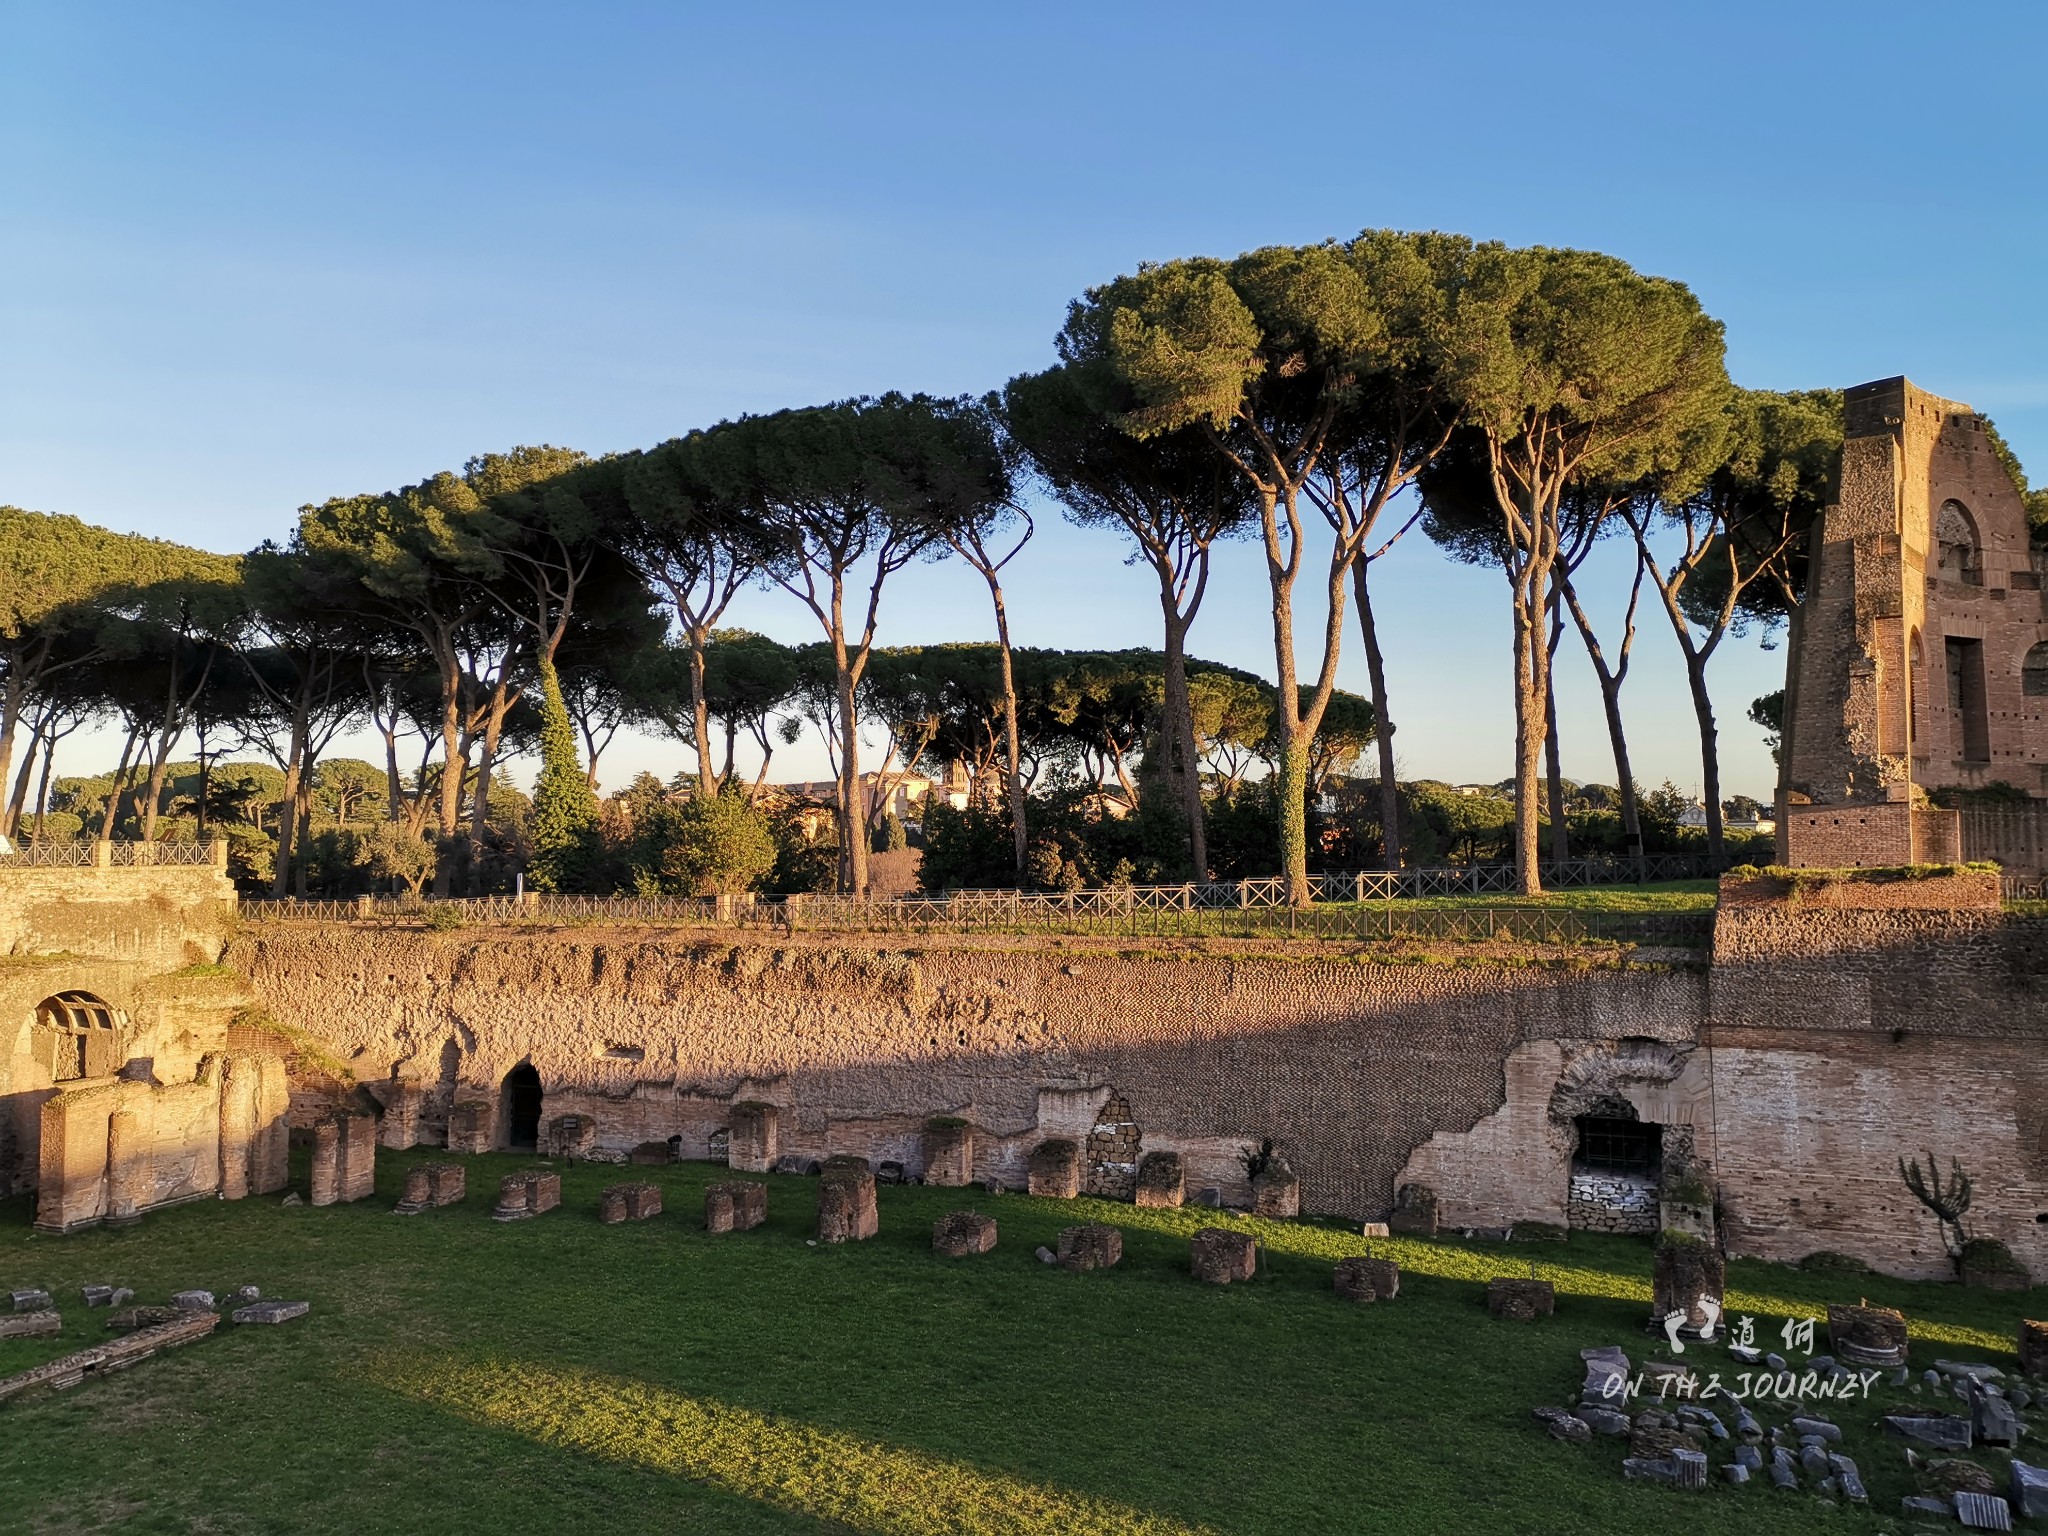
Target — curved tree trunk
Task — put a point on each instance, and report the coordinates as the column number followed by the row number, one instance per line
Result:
column 1177, row 728
column 1013, row 761
column 1710, row 751
column 1383, row 722
column 1560, row 835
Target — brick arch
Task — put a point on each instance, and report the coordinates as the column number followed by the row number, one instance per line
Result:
column 76, row 1035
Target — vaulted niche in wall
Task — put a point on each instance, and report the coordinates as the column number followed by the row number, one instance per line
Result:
column 2034, row 672
column 1966, row 698
column 76, row 1036
column 521, row 1104
column 1955, row 538
column 1613, row 1140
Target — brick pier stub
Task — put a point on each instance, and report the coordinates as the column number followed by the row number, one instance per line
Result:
column 1919, row 658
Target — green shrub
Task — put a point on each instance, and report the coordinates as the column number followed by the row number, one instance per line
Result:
column 720, row 845
column 1989, row 1255
column 1828, row 1262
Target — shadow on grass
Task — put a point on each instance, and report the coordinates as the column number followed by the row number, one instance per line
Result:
column 1790, row 1294
column 854, row 1483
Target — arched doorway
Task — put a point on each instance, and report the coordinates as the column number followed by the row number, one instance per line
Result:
column 520, row 1101
column 76, row 1036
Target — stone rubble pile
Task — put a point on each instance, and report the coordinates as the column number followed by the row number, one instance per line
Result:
column 1677, row 1421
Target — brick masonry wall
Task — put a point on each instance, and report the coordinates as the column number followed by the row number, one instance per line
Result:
column 1843, row 1041
column 1348, row 1066
column 1820, row 1048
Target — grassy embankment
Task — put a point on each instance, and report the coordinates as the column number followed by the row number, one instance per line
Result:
column 560, row 1375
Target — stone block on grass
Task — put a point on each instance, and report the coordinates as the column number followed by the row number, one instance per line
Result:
column 271, row 1312
column 1687, row 1274
column 1162, row 1181
column 754, row 1133
column 1359, row 1279
column 1276, row 1193
column 128, row 1319
column 570, row 1136
column 960, row 1233
column 470, row 1126
column 1055, row 1169
column 1983, row 1512
column 2029, row 1490
column 30, row 1325
column 628, row 1202
column 1414, row 1213
column 29, row 1300
column 738, row 1206
column 2033, row 1348
column 1944, row 1431
column 1218, row 1256
column 1090, row 1246
column 846, row 1202
column 948, row 1152
column 1867, row 1336
column 530, row 1193
column 1519, row 1300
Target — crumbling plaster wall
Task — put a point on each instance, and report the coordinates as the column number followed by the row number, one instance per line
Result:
column 143, row 940
column 1347, row 1065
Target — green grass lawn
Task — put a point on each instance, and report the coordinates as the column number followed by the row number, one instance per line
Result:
column 559, row 1375
column 1657, row 896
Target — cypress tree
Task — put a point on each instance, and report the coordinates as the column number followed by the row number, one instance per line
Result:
column 564, row 805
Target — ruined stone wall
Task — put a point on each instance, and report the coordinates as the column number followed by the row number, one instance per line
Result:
column 141, row 942
column 1908, row 665
column 1821, row 1047
column 1844, row 1040
column 1348, row 1065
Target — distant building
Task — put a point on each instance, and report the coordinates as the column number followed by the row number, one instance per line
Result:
column 907, row 795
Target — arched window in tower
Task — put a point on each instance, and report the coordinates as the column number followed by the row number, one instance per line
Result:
column 2034, row 672
column 1955, row 538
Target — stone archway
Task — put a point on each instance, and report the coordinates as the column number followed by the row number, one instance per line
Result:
column 520, row 1103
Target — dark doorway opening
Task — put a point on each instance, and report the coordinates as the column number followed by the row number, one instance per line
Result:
column 1610, row 1144
column 1966, row 698
column 522, row 1108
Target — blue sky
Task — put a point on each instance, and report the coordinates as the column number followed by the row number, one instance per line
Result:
column 255, row 256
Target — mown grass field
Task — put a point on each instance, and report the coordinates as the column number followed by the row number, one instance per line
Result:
column 1657, row 896
column 559, row 1375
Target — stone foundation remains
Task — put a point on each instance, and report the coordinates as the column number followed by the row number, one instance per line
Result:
column 1090, row 1246
column 846, row 1202
column 1162, row 1181
column 1055, row 1170
column 963, row 1232
column 428, row 1186
column 1520, row 1301
column 949, row 1153
column 533, row 1192
column 739, row 1206
column 628, row 1202
column 1218, row 1256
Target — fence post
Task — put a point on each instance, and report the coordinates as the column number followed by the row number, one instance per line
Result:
column 102, row 854
column 219, row 849
column 1244, row 894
